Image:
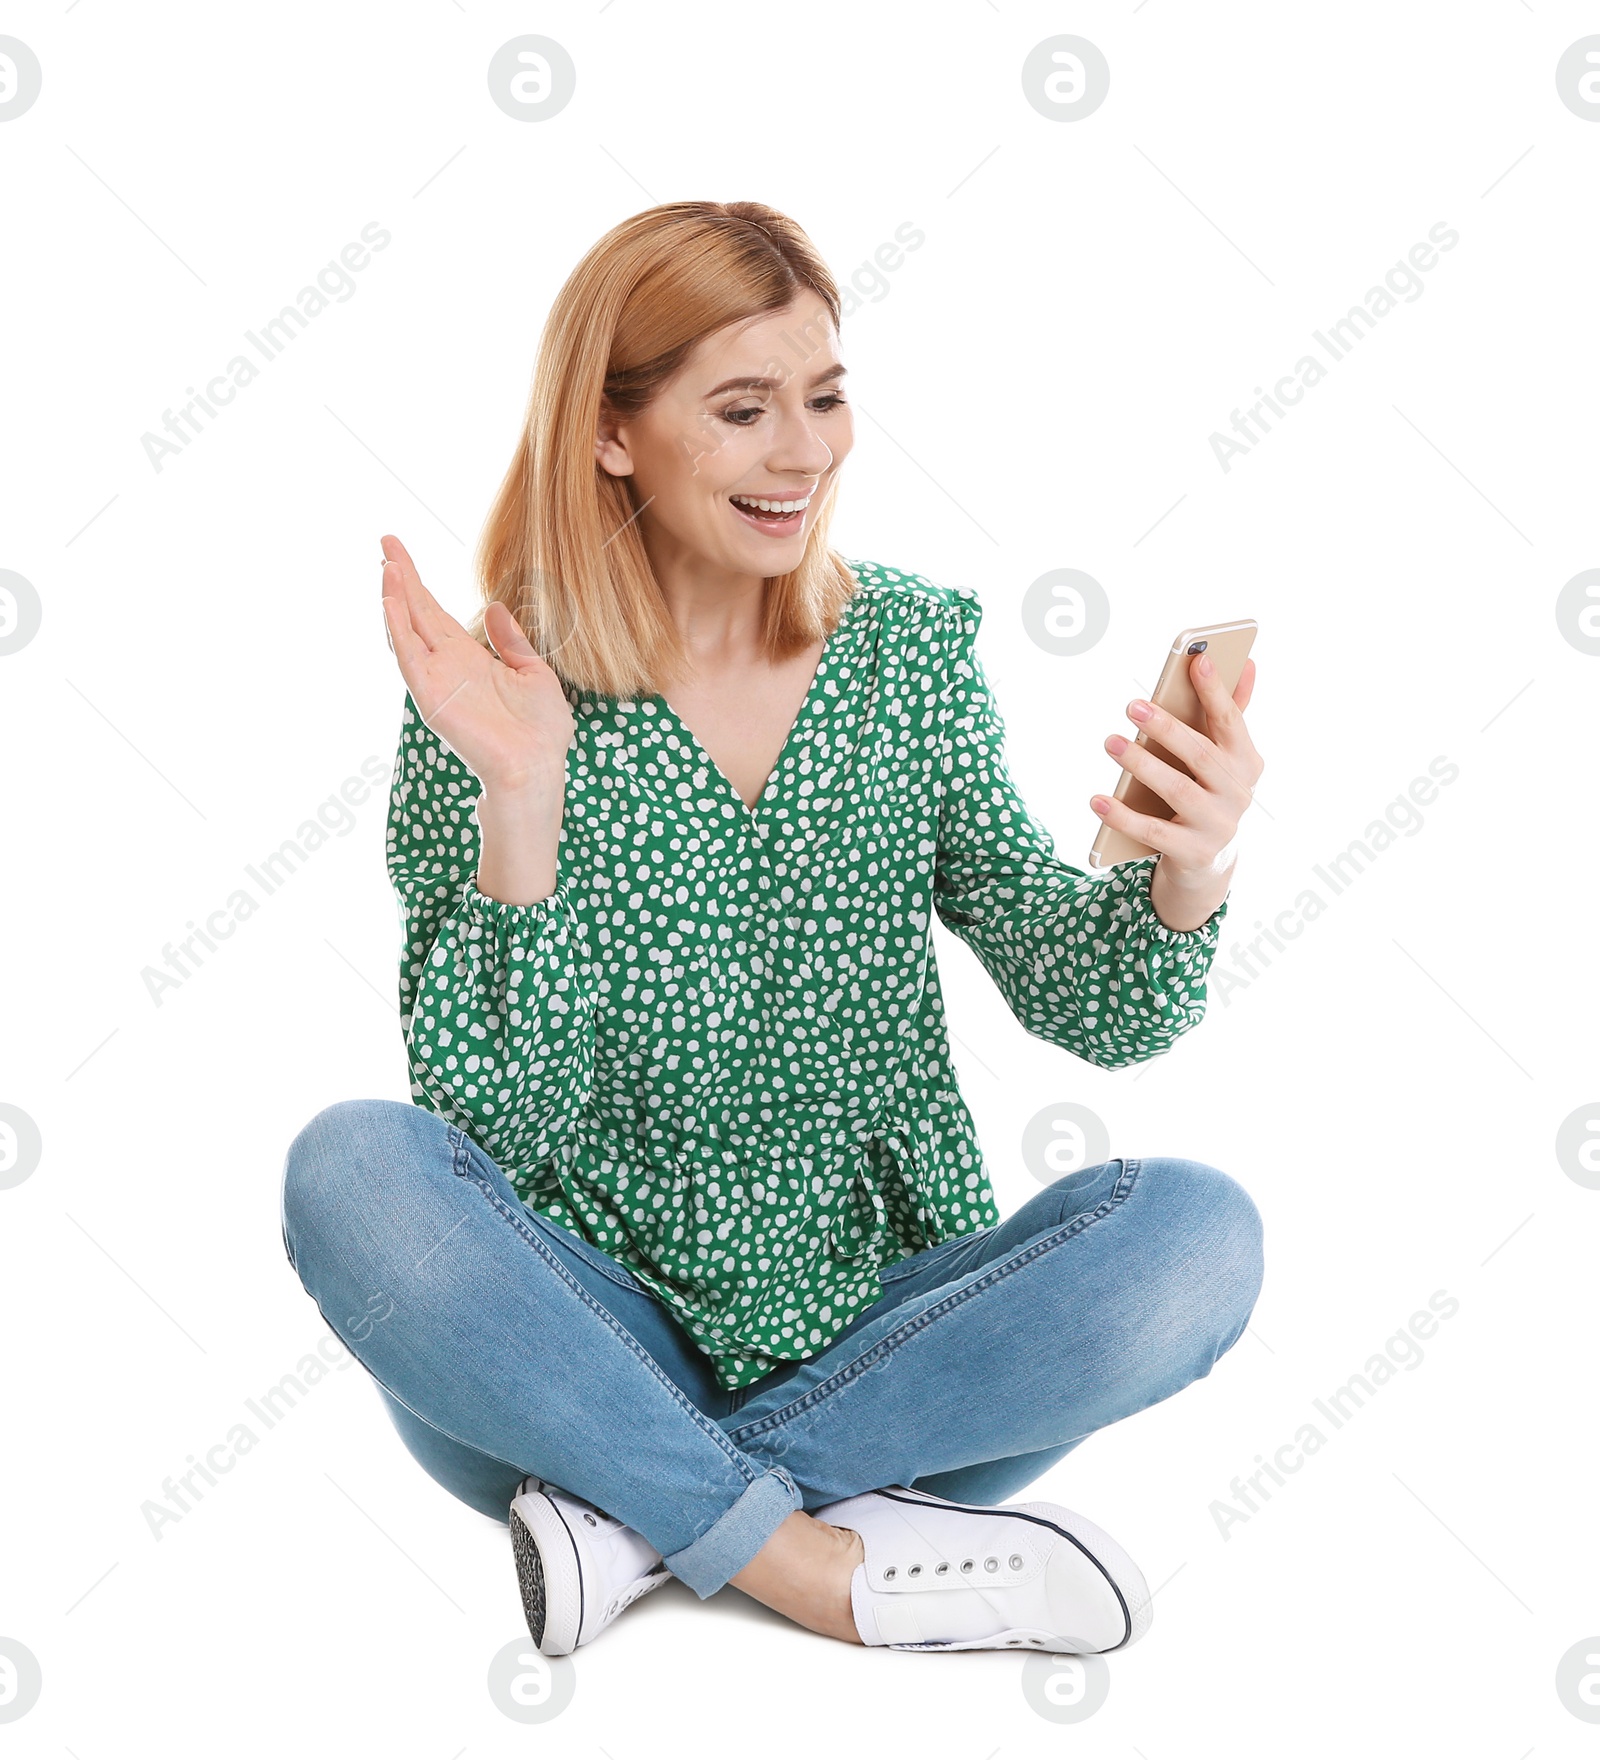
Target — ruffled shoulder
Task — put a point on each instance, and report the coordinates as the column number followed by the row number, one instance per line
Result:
column 958, row 607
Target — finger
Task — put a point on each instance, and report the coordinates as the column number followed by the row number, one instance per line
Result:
column 398, row 573
column 383, row 588
column 1222, row 713
column 1213, row 766
column 1226, row 724
column 408, row 648
column 428, row 617
column 1182, row 793
column 506, row 636
column 1159, row 834
column 1224, row 719
column 1186, row 743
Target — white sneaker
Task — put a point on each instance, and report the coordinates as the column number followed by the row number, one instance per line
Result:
column 959, row 1576
column 577, row 1567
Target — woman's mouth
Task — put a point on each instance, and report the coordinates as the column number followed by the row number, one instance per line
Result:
column 778, row 516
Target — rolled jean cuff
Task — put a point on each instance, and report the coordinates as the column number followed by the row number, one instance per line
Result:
column 737, row 1535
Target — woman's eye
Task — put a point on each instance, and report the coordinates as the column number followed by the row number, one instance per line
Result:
column 736, row 416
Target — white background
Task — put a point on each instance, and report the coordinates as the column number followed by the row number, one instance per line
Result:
column 1035, row 388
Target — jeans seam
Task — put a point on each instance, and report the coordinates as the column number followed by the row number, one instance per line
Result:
column 887, row 1344
column 617, row 1275
column 463, row 1168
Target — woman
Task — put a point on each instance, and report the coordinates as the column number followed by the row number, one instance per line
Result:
column 686, row 1250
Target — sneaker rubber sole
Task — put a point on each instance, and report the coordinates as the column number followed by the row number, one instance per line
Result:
column 548, row 1575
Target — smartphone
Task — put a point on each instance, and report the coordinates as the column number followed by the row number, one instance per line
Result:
column 1229, row 645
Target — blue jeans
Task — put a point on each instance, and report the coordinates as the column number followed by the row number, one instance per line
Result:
column 504, row 1345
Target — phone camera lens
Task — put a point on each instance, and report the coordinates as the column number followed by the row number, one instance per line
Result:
column 1196, row 648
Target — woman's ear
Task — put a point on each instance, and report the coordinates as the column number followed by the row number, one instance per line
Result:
column 610, row 451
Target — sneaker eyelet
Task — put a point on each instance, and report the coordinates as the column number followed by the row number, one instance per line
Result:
column 966, row 1564
column 1015, row 1561
column 590, row 1519
column 940, row 1568
column 889, row 1573
column 914, row 1571
column 991, row 1564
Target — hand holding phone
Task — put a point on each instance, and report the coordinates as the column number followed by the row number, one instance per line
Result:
column 1140, row 806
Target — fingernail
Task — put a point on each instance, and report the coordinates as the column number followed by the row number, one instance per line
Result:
column 1100, row 804
column 1117, row 745
column 1205, row 668
column 1139, row 709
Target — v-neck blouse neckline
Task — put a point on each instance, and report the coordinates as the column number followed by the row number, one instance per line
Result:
column 807, row 721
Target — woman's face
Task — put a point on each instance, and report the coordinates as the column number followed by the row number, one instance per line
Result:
column 756, row 413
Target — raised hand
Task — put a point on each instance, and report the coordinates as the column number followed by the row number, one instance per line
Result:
column 1196, row 845
column 507, row 717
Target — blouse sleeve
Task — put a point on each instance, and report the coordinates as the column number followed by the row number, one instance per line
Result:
column 497, row 1000
column 1082, row 959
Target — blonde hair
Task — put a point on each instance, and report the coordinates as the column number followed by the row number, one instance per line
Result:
column 562, row 548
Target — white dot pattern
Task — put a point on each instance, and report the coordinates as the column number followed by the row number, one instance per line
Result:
column 717, row 1050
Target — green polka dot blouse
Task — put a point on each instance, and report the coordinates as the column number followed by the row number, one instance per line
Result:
column 717, row 1050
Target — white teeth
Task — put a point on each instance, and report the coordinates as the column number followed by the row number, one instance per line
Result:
column 772, row 506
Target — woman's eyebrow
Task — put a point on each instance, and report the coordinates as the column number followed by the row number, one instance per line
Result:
column 834, row 372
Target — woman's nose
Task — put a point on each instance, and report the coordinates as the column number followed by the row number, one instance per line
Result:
column 802, row 449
